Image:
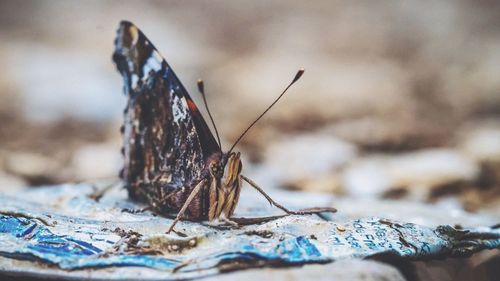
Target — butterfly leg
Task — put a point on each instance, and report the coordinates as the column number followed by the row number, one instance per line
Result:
column 230, row 222
column 190, row 198
column 290, row 212
column 98, row 193
column 137, row 211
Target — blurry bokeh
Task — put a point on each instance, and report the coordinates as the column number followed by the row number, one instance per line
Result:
column 400, row 99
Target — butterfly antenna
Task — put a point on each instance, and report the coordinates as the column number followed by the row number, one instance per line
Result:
column 201, row 89
column 295, row 79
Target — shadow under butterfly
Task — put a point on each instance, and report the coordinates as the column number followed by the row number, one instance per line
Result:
column 172, row 160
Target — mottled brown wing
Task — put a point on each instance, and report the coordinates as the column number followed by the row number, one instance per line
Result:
column 166, row 140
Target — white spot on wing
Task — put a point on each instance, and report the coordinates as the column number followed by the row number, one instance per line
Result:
column 135, row 79
column 151, row 64
column 179, row 111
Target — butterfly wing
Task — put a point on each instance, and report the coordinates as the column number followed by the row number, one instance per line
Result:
column 166, row 140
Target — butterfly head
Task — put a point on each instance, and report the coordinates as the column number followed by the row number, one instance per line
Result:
column 216, row 168
column 227, row 167
column 225, row 184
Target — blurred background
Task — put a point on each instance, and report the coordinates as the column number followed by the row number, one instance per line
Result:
column 400, row 99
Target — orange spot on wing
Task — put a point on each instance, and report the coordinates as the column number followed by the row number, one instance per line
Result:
column 191, row 105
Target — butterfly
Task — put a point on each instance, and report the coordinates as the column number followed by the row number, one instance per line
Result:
column 173, row 162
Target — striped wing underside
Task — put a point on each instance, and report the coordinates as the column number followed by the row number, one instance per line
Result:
column 166, row 141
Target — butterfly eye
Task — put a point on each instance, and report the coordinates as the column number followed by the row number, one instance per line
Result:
column 215, row 169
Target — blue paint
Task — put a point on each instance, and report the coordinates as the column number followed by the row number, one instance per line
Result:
column 68, row 252
column 291, row 251
column 18, row 227
column 364, row 237
column 297, row 250
column 43, row 240
column 89, row 247
column 309, row 248
column 124, row 260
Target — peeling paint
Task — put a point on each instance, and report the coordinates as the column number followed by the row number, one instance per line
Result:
column 78, row 245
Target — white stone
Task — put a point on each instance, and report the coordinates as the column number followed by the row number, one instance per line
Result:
column 97, row 161
column 305, row 156
column 483, row 144
column 417, row 171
